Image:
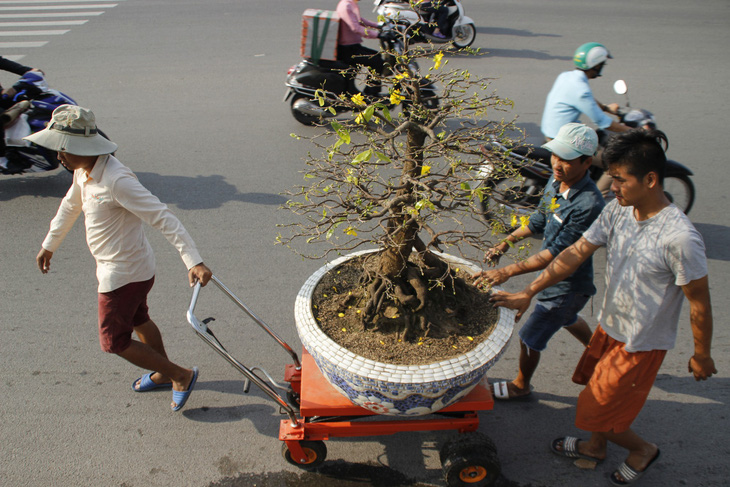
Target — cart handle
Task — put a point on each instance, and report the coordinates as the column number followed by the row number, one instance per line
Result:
column 234, row 298
column 203, row 332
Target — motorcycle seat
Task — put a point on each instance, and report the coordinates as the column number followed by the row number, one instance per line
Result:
column 327, row 64
column 535, row 153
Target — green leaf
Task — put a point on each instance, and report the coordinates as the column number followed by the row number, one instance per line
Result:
column 387, row 115
column 363, row 156
column 368, row 113
column 382, row 157
column 424, row 204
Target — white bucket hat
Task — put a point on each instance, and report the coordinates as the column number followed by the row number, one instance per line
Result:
column 73, row 129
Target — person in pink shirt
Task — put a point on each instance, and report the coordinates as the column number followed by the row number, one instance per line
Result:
column 349, row 45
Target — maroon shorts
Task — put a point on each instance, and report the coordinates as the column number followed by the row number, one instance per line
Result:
column 119, row 312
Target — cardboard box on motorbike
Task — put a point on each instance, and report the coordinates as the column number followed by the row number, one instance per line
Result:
column 320, row 29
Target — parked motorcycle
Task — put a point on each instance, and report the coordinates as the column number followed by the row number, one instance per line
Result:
column 520, row 189
column 22, row 156
column 336, row 78
column 461, row 32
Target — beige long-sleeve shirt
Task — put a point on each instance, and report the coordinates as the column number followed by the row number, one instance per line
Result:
column 115, row 205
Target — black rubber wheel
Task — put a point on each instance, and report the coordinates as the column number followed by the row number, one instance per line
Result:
column 464, row 35
column 300, row 117
column 316, row 452
column 681, row 191
column 470, row 460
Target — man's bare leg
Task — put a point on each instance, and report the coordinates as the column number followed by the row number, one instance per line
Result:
column 150, row 335
column 641, row 452
column 529, row 360
column 146, row 357
column 581, row 331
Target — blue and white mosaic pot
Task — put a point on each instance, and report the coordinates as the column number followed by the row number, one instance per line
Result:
column 397, row 390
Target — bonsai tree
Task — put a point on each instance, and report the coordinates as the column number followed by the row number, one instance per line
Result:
column 406, row 181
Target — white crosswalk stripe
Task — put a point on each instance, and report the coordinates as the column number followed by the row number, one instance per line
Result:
column 22, row 18
column 49, row 23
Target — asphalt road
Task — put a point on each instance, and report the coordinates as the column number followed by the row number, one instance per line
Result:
column 191, row 91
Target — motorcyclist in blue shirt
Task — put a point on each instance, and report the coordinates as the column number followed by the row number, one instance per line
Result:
column 571, row 97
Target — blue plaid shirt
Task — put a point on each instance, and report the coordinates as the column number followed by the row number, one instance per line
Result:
column 562, row 227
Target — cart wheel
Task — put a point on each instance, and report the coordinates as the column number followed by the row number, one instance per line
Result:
column 470, row 460
column 293, row 398
column 316, row 452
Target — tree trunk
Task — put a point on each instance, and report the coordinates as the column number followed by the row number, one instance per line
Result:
column 402, row 228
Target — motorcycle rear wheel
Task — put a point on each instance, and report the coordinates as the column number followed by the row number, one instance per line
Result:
column 464, row 35
column 681, row 191
column 300, row 117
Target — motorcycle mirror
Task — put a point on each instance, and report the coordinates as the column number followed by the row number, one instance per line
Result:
column 620, row 87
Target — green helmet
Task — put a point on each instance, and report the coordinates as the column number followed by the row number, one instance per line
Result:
column 590, row 55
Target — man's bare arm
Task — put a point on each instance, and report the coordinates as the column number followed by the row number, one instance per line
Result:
column 560, row 268
column 701, row 364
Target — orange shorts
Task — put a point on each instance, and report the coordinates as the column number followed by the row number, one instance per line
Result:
column 617, row 383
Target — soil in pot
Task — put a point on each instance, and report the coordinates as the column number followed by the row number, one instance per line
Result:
column 464, row 319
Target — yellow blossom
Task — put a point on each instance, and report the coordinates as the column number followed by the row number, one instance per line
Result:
column 402, row 75
column 358, row 100
column 553, row 205
column 524, row 221
column 351, row 231
column 341, row 315
column 437, row 60
column 425, row 170
column 396, row 97
column 360, row 119
column 344, row 329
column 513, row 221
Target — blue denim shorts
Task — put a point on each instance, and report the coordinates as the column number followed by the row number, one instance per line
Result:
column 549, row 316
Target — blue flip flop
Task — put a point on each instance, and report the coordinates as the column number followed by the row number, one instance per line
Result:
column 147, row 384
column 181, row 397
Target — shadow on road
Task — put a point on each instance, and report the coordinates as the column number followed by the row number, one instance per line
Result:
column 48, row 185
column 338, row 474
column 503, row 31
column 716, row 238
column 524, row 54
column 202, row 192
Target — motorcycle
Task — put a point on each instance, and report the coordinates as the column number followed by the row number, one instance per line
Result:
column 420, row 27
column 520, row 189
column 334, row 78
column 22, row 156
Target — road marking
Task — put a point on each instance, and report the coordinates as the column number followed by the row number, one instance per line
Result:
column 44, row 16
column 14, row 45
column 30, row 11
column 60, row 7
column 20, row 33
column 25, row 2
column 46, row 23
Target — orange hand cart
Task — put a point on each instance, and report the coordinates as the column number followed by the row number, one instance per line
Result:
column 316, row 411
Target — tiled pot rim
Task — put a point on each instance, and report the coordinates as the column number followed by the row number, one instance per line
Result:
column 311, row 333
